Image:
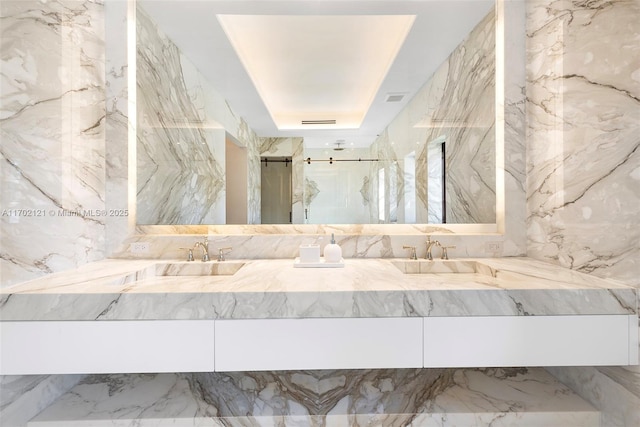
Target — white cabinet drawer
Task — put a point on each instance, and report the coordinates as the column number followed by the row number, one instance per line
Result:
column 290, row 344
column 530, row 341
column 73, row 347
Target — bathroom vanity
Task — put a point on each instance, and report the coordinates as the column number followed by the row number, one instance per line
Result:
column 120, row 316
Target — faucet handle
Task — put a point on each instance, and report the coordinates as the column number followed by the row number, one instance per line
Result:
column 412, row 254
column 189, row 253
column 222, row 252
column 445, row 254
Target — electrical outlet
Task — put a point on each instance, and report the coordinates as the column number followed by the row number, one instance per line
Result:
column 139, row 247
column 493, row 247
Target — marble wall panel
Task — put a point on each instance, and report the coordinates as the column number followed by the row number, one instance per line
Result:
column 583, row 115
column 435, row 397
column 426, row 397
column 23, row 396
column 321, row 393
column 53, row 130
column 583, row 120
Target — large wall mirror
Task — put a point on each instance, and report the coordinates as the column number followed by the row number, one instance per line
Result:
column 303, row 112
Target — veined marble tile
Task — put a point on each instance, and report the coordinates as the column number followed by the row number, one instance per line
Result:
column 53, row 150
column 583, row 116
column 584, row 121
column 126, row 400
column 426, row 397
column 23, row 397
column 620, row 407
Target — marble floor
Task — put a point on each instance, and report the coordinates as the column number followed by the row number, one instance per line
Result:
column 423, row 397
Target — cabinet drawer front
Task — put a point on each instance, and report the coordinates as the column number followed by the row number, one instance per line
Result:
column 106, row 347
column 285, row 344
column 527, row 341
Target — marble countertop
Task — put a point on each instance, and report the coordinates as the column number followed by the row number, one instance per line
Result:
column 163, row 289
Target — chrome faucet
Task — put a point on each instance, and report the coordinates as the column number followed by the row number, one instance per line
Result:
column 222, row 252
column 430, row 245
column 205, row 248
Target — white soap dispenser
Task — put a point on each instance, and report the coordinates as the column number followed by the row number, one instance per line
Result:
column 332, row 251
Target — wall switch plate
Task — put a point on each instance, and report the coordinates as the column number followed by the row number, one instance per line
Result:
column 493, row 247
column 139, row 247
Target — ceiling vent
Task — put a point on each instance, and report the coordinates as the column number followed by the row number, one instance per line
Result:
column 394, row 97
column 319, row 122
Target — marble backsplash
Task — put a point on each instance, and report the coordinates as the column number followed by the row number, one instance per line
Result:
column 166, row 242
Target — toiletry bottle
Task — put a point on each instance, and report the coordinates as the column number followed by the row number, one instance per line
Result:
column 332, row 252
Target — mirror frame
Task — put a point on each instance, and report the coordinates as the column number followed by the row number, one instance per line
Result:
column 348, row 229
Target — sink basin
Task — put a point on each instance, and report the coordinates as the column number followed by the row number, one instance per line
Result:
column 198, row 268
column 439, row 266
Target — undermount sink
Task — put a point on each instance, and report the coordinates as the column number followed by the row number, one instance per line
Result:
column 440, row 266
column 198, row 268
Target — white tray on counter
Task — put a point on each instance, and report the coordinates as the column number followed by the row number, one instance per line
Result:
column 321, row 264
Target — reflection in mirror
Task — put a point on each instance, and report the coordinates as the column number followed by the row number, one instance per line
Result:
column 276, row 203
column 437, row 188
column 200, row 162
